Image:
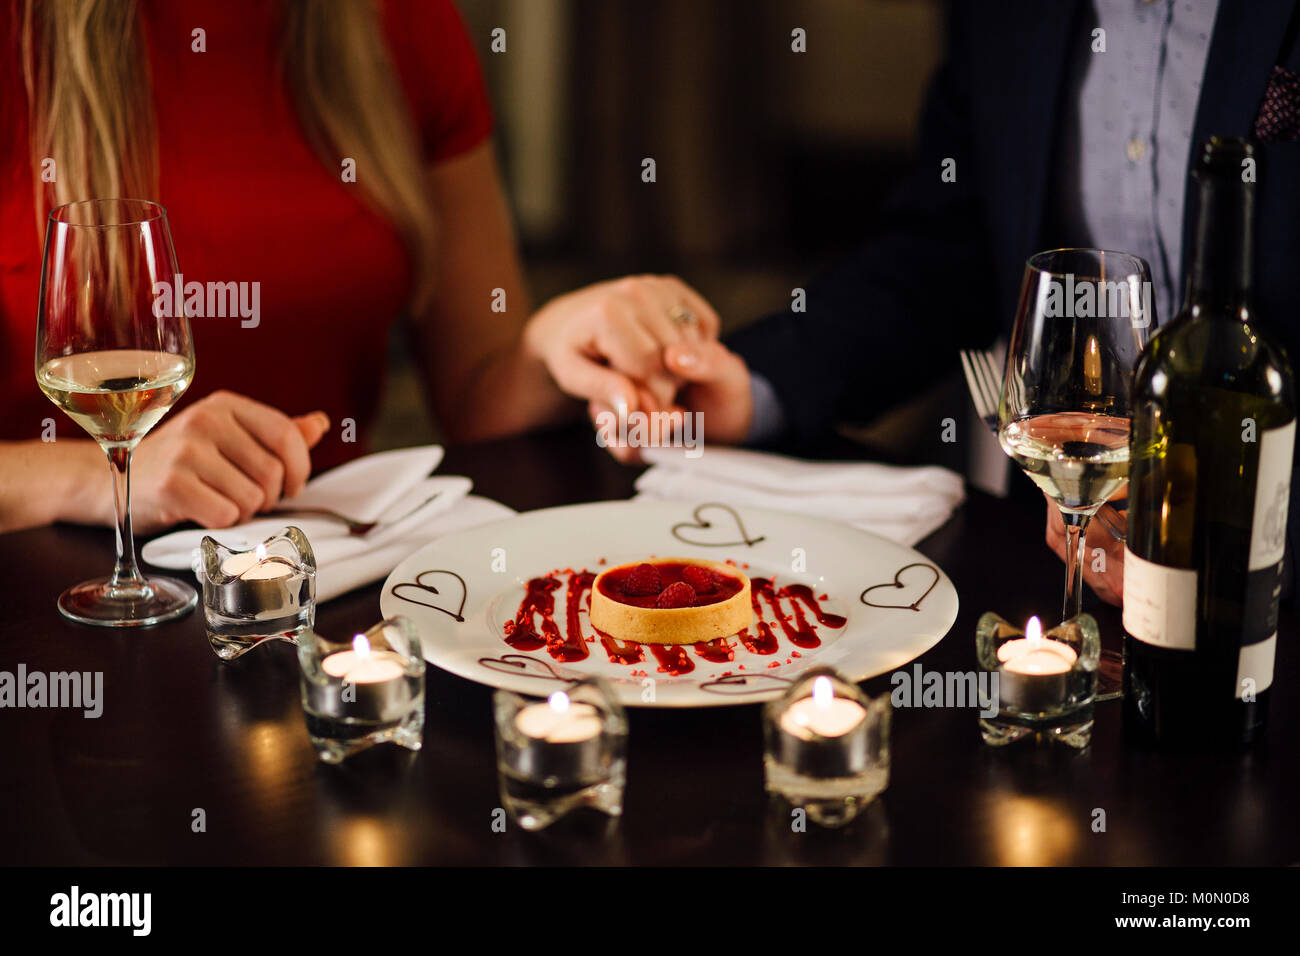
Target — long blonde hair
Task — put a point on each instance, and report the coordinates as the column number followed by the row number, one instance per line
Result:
column 91, row 108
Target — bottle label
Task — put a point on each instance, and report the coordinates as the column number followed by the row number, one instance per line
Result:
column 1264, row 566
column 1159, row 603
column 1272, row 495
column 1255, row 668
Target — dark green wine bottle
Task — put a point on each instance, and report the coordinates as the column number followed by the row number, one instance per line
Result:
column 1210, row 474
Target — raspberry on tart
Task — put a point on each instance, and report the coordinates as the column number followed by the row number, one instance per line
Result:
column 694, row 600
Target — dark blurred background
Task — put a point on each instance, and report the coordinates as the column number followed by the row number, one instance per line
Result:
column 770, row 163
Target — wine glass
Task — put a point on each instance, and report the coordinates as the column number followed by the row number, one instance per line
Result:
column 115, row 355
column 1083, row 318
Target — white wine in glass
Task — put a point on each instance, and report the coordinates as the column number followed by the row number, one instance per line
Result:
column 115, row 364
column 1076, row 458
column 116, row 395
column 1083, row 318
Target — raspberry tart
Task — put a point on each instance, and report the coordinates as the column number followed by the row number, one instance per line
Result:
column 670, row 601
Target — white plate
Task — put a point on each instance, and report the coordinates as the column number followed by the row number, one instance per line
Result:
column 462, row 589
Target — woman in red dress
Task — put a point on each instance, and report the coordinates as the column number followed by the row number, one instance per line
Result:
column 338, row 154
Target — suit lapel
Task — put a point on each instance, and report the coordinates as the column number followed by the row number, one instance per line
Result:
column 1043, row 32
column 1246, row 45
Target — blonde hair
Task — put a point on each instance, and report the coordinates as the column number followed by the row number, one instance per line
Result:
column 91, row 107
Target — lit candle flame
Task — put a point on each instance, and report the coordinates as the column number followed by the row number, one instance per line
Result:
column 823, row 693
column 559, row 701
column 1034, row 630
column 1092, row 366
column 261, row 553
column 361, row 646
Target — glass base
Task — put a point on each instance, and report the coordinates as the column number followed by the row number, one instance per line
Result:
column 828, row 801
column 97, row 602
column 1073, row 730
column 230, row 642
column 1110, row 676
column 335, row 740
column 534, row 806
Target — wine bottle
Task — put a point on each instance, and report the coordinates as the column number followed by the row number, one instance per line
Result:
column 1213, row 434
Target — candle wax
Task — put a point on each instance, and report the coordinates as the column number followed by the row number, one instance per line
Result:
column 578, row 722
column 249, row 567
column 1043, row 656
column 373, row 668
column 834, row 718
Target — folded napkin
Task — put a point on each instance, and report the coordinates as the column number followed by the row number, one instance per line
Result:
column 390, row 488
column 902, row 504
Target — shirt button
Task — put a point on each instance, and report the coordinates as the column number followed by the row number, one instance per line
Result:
column 1136, row 149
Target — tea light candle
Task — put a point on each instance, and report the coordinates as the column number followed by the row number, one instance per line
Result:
column 374, row 684
column 364, row 693
column 559, row 720
column 822, row 735
column 255, row 566
column 823, row 714
column 561, row 741
column 1033, row 672
column 255, row 585
column 363, row 665
column 1032, row 654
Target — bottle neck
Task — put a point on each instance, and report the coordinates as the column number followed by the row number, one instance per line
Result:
column 1222, row 260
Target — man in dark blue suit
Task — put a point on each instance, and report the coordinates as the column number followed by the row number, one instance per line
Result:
column 1050, row 124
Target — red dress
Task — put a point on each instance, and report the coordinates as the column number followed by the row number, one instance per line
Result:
column 248, row 201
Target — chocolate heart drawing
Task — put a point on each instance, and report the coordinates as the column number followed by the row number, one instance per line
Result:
column 929, row 572
column 521, row 665
column 724, row 532
column 736, row 685
column 426, row 589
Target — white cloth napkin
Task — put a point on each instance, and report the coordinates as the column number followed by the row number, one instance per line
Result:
column 902, row 504
column 390, row 487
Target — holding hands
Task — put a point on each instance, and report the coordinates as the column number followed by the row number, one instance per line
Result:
column 647, row 344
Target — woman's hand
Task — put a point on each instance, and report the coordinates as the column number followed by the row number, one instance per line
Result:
column 220, row 461
column 604, row 343
column 1103, row 555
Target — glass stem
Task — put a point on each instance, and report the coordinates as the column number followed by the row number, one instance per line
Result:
column 126, row 576
column 1075, row 526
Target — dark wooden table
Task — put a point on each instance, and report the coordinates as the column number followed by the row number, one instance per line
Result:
column 181, row 731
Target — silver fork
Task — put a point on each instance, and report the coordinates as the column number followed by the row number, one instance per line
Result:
column 984, row 383
column 356, row 529
column 985, row 386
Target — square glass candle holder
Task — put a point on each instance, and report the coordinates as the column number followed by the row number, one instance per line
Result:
column 266, row 593
column 826, row 747
column 1044, row 685
column 363, row 692
column 559, row 753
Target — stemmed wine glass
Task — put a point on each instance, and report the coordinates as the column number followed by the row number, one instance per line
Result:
column 115, row 363
column 1083, row 318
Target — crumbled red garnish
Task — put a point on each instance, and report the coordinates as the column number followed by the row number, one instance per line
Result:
column 676, row 595
column 643, row 581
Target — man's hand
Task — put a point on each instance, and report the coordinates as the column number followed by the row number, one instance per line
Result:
column 1104, row 571
column 219, row 462
column 716, row 384
column 605, row 343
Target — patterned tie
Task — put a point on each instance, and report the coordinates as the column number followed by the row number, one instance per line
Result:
column 1279, row 115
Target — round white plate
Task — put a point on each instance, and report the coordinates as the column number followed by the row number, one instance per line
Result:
column 463, row 588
